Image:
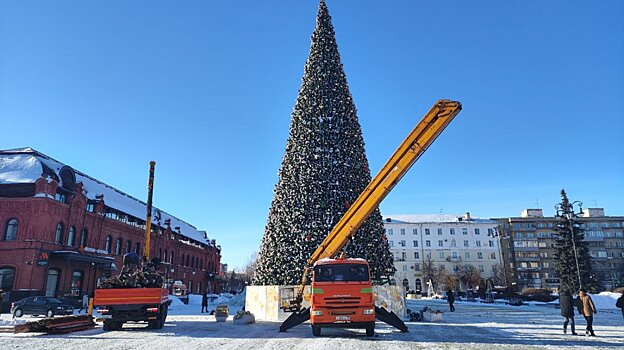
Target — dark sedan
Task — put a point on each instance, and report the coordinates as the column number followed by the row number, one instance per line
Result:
column 47, row 306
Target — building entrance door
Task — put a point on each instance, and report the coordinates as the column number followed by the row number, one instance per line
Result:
column 52, row 283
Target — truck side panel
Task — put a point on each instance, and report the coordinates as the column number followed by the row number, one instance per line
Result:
column 129, row 296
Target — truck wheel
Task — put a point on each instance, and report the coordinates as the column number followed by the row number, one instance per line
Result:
column 108, row 326
column 316, row 330
column 370, row 330
column 50, row 313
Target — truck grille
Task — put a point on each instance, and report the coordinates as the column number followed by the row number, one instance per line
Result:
column 342, row 300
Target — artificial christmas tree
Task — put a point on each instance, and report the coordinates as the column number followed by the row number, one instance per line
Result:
column 323, row 171
column 572, row 260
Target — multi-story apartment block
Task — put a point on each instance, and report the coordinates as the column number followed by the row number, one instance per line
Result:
column 528, row 244
column 446, row 241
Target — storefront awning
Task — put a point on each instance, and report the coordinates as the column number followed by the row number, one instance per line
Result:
column 100, row 261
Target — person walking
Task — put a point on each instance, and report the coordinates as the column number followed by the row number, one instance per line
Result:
column 620, row 303
column 85, row 303
column 586, row 307
column 450, row 298
column 204, row 302
column 566, row 301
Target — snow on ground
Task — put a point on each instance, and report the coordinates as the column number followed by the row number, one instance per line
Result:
column 472, row 326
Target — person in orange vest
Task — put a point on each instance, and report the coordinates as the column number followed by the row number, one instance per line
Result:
column 586, row 307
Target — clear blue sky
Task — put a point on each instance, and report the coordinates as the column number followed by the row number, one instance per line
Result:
column 206, row 88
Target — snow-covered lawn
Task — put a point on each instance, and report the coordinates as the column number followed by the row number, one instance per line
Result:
column 472, row 326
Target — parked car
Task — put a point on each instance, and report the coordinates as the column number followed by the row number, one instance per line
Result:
column 41, row 305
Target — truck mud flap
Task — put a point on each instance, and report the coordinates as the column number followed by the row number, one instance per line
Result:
column 296, row 318
column 390, row 318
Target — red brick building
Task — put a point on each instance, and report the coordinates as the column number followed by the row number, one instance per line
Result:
column 62, row 231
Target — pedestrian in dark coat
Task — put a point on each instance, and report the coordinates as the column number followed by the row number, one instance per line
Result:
column 620, row 303
column 204, row 302
column 586, row 307
column 450, row 298
column 567, row 311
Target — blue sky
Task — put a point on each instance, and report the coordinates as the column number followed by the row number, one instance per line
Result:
column 206, row 89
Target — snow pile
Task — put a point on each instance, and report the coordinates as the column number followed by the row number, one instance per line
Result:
column 11, row 323
column 175, row 302
column 605, row 300
column 224, row 298
column 239, row 299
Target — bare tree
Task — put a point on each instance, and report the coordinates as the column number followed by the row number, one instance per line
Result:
column 498, row 275
column 469, row 275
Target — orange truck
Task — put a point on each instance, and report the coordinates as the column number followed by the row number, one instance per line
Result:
column 337, row 298
column 342, row 295
column 120, row 305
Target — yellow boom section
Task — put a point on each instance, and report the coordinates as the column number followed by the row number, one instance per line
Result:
column 416, row 143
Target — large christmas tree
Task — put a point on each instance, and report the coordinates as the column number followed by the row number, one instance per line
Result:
column 571, row 266
column 323, row 171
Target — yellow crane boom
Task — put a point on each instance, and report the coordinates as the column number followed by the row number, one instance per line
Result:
column 416, row 143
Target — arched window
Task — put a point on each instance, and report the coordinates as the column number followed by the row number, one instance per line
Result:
column 137, row 247
column 182, row 260
column 76, row 283
column 128, row 247
column 187, row 260
column 201, row 263
column 118, row 246
column 109, row 243
column 7, row 276
column 71, row 238
column 160, row 253
column 11, row 230
column 165, row 257
column 171, row 257
column 58, row 235
column 192, row 261
column 83, row 237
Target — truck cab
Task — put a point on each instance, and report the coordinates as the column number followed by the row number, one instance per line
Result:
column 342, row 295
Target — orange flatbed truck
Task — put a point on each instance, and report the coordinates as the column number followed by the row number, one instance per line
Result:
column 341, row 291
column 120, row 305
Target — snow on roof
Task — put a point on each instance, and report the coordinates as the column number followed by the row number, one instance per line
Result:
column 432, row 218
column 24, row 165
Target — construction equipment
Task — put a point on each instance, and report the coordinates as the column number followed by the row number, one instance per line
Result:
column 138, row 294
column 344, row 303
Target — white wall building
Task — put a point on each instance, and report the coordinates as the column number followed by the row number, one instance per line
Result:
column 446, row 240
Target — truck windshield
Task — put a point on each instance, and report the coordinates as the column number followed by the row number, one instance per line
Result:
column 341, row 272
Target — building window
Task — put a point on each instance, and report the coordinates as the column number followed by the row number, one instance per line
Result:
column 187, row 260
column 76, row 283
column 428, row 243
column 478, row 243
column 7, row 277
column 467, row 255
column 490, row 232
column 464, row 231
column 441, row 255
column 454, row 254
column 416, row 256
column 390, row 231
column 391, row 243
column 83, row 237
column 171, row 257
column 403, row 231
column 452, row 231
column 165, row 256
column 491, row 243
column 52, row 282
column 71, row 238
column 453, row 243
column 118, row 246
column 479, row 255
column 415, row 244
column 440, row 243
column 60, row 197
column 90, row 207
column 481, row 268
column 477, row 231
column 58, row 235
column 466, row 244
column 403, row 255
column 192, row 261
column 439, row 231
column 128, row 246
column 11, row 230
column 402, row 243
column 427, row 232
column 201, row 264
column 109, row 243
column 492, row 255
column 137, row 249
column 415, row 231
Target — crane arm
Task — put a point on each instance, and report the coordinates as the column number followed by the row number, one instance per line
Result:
column 416, row 143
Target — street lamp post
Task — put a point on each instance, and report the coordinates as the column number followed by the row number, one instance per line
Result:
column 566, row 209
column 500, row 232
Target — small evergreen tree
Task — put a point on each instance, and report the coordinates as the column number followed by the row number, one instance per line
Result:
column 570, row 235
column 323, row 171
